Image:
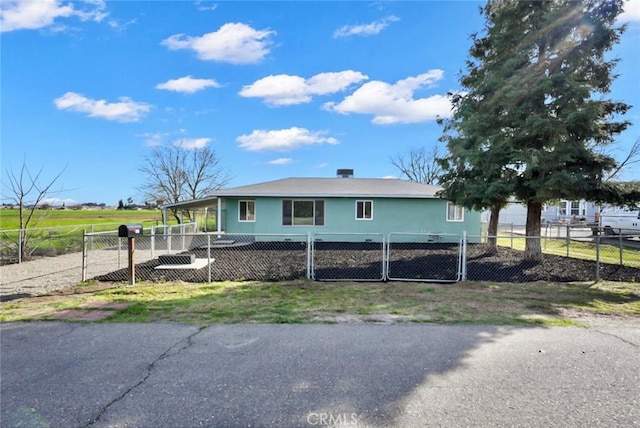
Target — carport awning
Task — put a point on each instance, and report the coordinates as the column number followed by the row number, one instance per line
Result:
column 193, row 204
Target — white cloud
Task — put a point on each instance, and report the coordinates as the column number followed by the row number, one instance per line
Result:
column 188, row 85
column 206, row 6
column 154, row 139
column 631, row 11
column 36, row 14
column 192, row 143
column 283, row 139
column 395, row 103
column 126, row 110
column 280, row 161
column 284, row 89
column 365, row 29
column 121, row 26
column 95, row 11
column 234, row 43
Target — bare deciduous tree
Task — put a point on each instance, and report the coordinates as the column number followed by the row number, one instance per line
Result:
column 632, row 158
column 419, row 165
column 27, row 191
column 176, row 173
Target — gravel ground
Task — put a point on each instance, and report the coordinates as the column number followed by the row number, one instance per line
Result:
column 40, row 276
column 46, row 274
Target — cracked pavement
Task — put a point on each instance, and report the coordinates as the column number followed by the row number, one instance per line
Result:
column 405, row 375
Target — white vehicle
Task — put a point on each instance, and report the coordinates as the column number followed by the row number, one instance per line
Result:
column 622, row 221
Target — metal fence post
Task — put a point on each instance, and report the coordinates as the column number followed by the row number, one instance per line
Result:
column 598, row 257
column 20, row 232
column 84, row 255
column 385, row 257
column 620, row 245
column 183, row 230
column 153, row 242
column 209, row 257
column 568, row 239
column 309, row 254
column 464, row 256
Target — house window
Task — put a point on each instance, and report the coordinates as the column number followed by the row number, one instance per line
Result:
column 454, row 212
column 364, row 210
column 570, row 208
column 247, row 211
column 302, row 212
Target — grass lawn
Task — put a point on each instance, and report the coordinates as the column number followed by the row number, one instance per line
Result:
column 304, row 301
column 579, row 250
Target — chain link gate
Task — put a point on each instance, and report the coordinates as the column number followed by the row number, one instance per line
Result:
column 348, row 257
column 428, row 257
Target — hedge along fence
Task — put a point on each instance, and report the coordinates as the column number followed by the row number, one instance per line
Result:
column 365, row 257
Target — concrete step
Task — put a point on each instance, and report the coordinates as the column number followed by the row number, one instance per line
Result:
column 177, row 259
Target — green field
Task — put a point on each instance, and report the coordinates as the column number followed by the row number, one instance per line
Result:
column 9, row 218
column 55, row 232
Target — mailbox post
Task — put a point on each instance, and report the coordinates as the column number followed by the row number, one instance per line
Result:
column 130, row 231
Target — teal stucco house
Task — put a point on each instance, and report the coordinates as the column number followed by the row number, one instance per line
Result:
column 340, row 205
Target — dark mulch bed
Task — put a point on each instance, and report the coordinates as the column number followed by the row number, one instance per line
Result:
column 507, row 266
column 268, row 261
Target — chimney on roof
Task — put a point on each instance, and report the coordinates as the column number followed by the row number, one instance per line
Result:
column 345, row 173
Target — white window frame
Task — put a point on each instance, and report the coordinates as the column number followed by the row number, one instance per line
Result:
column 364, row 203
column 246, row 211
column 458, row 210
column 566, row 208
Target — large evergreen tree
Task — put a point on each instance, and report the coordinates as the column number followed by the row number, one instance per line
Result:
column 534, row 119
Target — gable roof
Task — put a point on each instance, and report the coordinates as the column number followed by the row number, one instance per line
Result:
column 313, row 188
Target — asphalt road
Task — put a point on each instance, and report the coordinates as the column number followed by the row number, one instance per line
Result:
column 170, row 375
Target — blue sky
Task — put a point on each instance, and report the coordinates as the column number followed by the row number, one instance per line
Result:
column 276, row 89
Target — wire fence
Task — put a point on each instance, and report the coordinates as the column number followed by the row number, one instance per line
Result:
column 180, row 253
column 20, row 245
column 424, row 257
column 348, row 257
column 428, row 257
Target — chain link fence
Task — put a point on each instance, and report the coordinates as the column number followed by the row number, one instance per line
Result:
column 198, row 257
column 21, row 245
column 176, row 253
column 348, row 257
column 429, row 257
column 570, row 253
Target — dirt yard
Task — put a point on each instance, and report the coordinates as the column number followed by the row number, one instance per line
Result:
column 267, row 261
